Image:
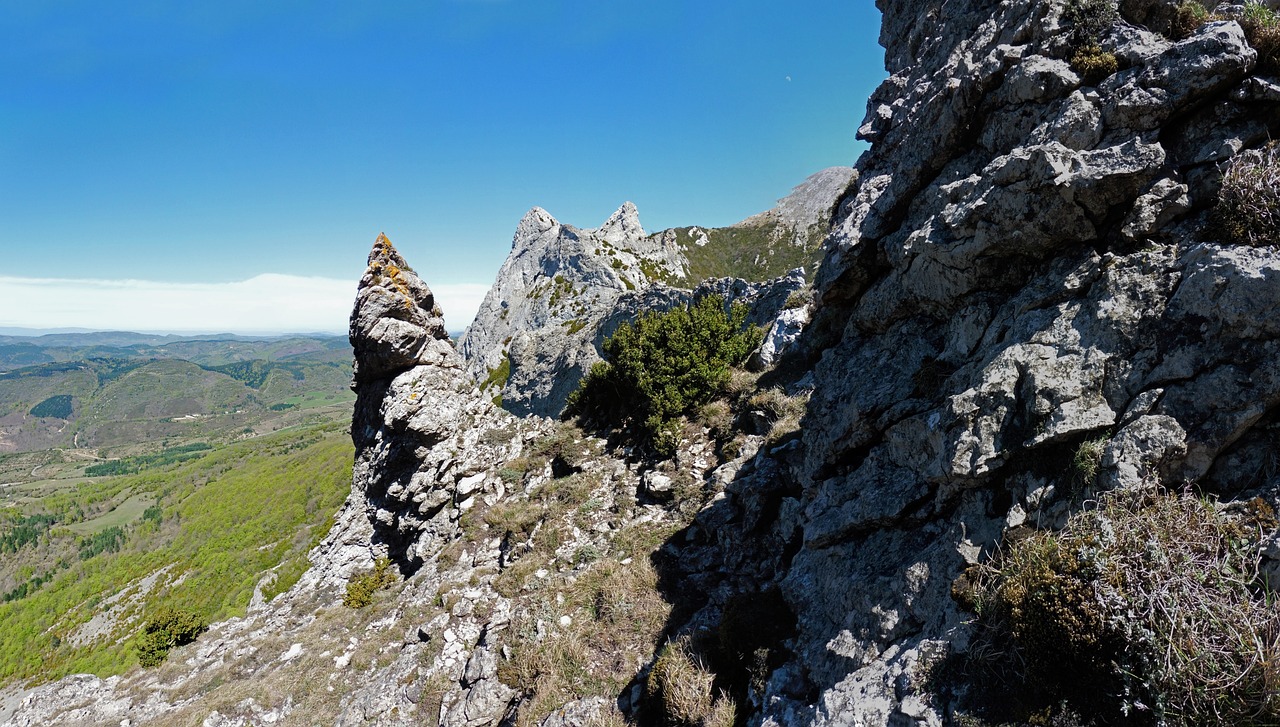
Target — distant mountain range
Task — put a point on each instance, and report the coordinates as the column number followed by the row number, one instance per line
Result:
column 113, row 389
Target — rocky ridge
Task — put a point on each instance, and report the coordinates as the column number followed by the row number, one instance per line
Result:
column 1024, row 267
column 562, row 290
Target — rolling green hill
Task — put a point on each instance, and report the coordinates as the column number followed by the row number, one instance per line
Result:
column 113, row 395
column 83, row 560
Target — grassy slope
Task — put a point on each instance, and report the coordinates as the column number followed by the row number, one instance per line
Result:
column 228, row 517
column 118, row 402
column 749, row 252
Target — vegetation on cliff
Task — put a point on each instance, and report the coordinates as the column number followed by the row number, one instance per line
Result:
column 1146, row 606
column 664, row 367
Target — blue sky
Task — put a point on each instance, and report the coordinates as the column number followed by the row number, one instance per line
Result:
column 211, row 144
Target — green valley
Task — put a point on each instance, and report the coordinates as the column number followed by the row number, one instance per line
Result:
column 141, row 473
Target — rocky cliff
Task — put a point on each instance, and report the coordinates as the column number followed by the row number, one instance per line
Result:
column 1028, row 323
column 562, row 290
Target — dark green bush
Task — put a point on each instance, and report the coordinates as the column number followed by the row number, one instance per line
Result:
column 361, row 588
column 1144, row 610
column 1088, row 20
column 167, row 628
column 58, row 407
column 1248, row 210
column 665, row 366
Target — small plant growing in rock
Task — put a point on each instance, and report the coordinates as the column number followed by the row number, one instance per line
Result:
column 361, row 588
column 1087, row 460
column 665, row 367
column 1094, row 64
column 167, row 629
column 1262, row 28
column 1248, row 210
column 1187, row 17
column 682, row 688
column 800, row 298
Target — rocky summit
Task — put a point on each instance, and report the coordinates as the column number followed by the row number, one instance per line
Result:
column 562, row 290
column 1019, row 467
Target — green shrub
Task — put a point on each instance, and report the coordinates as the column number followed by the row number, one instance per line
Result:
column 1094, row 64
column 361, row 588
column 665, row 366
column 1146, row 607
column 166, row 629
column 1088, row 20
column 1248, row 210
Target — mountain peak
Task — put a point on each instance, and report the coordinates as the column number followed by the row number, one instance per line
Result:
column 535, row 222
column 395, row 324
column 622, row 225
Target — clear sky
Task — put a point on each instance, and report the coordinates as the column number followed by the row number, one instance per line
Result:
column 210, row 152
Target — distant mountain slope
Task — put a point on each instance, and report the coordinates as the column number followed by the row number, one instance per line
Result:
column 18, row 351
column 769, row 244
column 109, row 396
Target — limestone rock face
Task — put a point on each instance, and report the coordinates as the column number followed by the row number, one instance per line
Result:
column 1023, row 266
column 416, row 410
column 563, row 290
column 556, row 284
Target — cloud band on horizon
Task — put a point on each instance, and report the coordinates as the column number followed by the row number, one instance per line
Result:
column 265, row 304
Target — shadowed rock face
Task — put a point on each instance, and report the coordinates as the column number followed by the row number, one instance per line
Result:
column 1023, row 266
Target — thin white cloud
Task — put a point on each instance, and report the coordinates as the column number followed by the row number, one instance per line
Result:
column 265, row 304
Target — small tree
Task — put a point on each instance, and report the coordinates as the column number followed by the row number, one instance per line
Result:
column 665, row 366
column 168, row 628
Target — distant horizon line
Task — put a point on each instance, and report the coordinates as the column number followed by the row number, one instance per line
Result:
column 23, row 332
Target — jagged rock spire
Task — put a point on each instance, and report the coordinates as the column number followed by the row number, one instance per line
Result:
column 395, row 323
column 623, row 225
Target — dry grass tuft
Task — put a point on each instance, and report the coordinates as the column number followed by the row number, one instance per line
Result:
column 683, row 688
column 1248, row 211
column 1147, row 606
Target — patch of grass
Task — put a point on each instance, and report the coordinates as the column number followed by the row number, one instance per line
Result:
column 755, row 252
column 361, row 588
column 1248, row 209
column 801, row 298
column 783, row 412
column 682, row 688
column 1262, row 29
column 1145, row 608
column 497, row 377
column 615, row 615
column 1187, row 18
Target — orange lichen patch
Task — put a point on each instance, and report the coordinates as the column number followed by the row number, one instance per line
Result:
column 391, row 275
